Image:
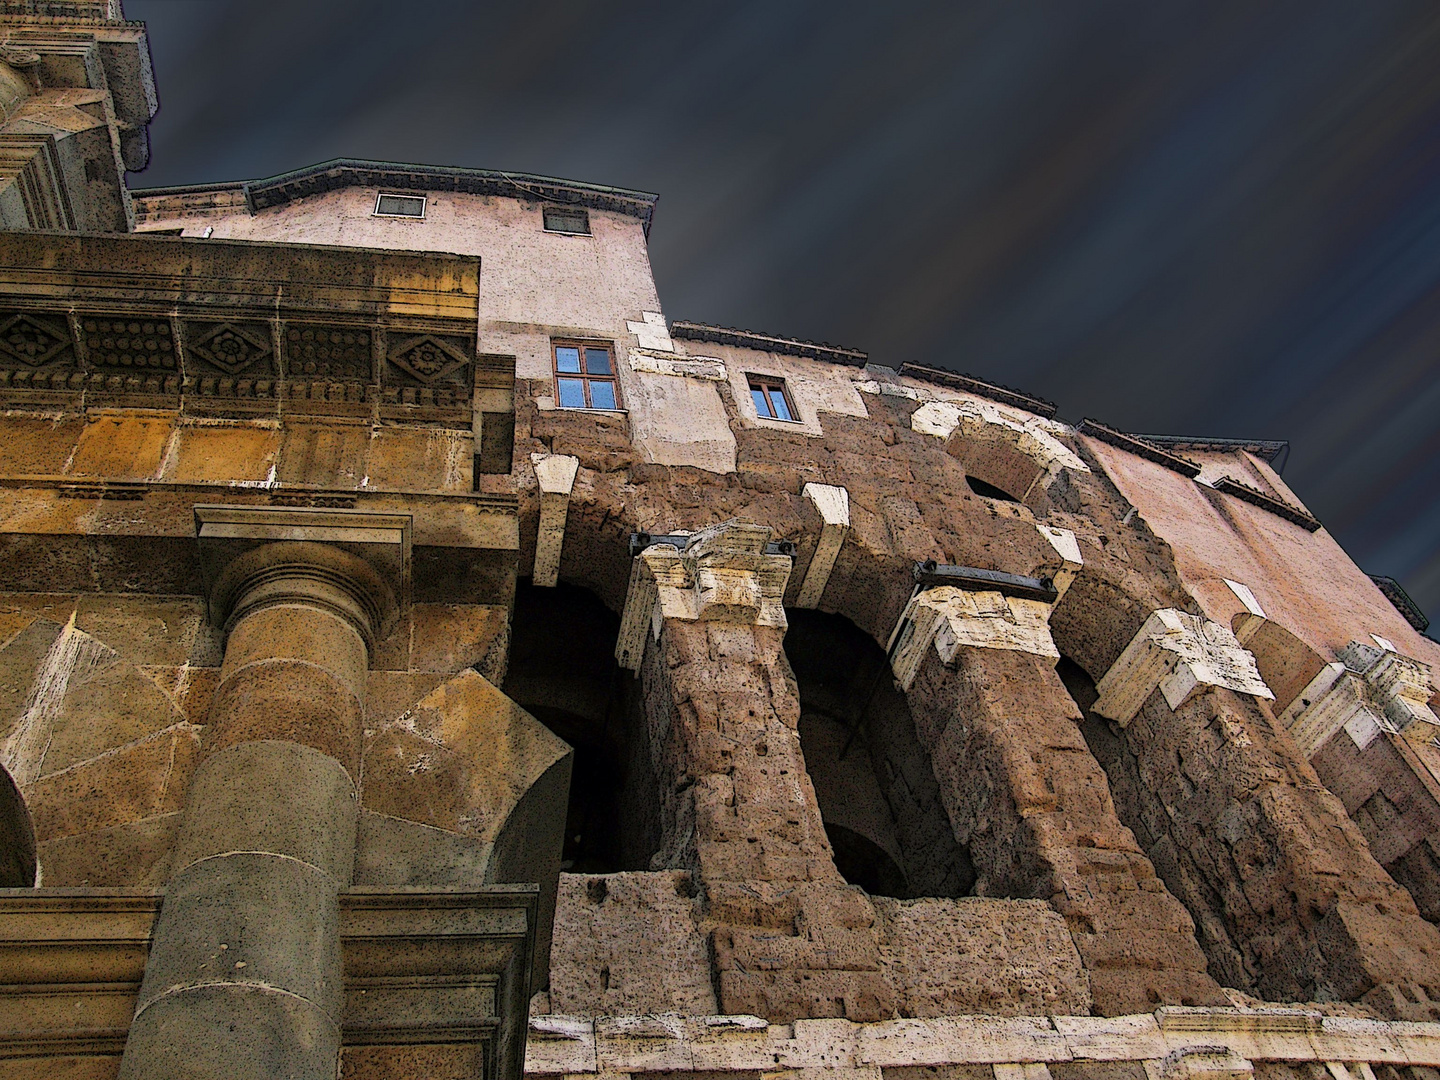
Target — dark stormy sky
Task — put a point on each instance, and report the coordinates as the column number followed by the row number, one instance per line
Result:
column 1211, row 218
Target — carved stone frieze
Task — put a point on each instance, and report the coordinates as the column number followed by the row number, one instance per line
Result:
column 723, row 575
column 1180, row 654
column 232, row 347
column 141, row 344
column 429, row 359
column 327, row 353
column 34, row 340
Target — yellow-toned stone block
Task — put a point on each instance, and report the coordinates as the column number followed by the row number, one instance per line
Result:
column 122, row 447
column 223, row 454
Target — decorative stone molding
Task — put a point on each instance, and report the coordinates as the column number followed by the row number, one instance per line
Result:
column 1181, row 654
column 355, row 563
column 722, row 575
column 71, row 962
column 951, row 617
column 1370, row 689
column 555, row 474
column 833, row 506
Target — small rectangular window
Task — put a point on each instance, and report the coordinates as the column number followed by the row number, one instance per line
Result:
column 585, row 376
column 771, row 399
column 567, row 219
column 388, row 205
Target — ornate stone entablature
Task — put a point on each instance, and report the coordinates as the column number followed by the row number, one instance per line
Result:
column 1369, row 690
column 1181, row 654
column 952, row 617
column 724, row 574
column 207, row 330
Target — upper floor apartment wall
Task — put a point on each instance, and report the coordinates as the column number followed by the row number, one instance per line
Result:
column 535, row 284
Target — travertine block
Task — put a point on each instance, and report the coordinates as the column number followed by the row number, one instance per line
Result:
column 1178, row 653
column 833, row 505
column 555, row 474
column 951, row 618
column 1368, row 690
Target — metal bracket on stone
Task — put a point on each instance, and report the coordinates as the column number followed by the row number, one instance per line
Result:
column 958, row 607
column 929, row 574
column 1370, row 689
column 732, row 572
column 1180, row 654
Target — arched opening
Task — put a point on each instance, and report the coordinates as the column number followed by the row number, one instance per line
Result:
column 989, row 491
column 873, row 780
column 1103, row 741
column 17, row 837
column 563, row 671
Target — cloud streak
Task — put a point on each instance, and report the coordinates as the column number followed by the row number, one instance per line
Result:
column 1215, row 218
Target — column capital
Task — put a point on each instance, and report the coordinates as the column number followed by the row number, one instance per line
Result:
column 1370, row 689
column 354, row 563
column 1179, row 653
column 723, row 574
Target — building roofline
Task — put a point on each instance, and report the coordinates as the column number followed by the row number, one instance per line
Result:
column 970, row 384
column 1269, row 449
column 750, row 339
column 353, row 172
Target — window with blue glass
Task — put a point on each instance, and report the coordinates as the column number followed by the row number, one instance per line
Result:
column 585, row 375
column 772, row 400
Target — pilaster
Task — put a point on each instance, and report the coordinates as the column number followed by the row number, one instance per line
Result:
column 705, row 627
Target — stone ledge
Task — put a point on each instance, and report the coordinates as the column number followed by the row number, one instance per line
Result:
column 711, row 1045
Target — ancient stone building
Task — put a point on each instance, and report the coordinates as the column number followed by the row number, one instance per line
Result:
column 419, row 657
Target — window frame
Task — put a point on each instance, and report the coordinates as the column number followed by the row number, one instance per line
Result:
column 768, row 384
column 556, row 344
column 424, row 205
column 545, row 224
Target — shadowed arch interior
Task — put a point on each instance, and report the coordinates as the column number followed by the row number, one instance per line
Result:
column 17, row 837
column 563, row 671
column 873, row 780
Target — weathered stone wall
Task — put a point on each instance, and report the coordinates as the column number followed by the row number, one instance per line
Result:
column 909, row 501
column 1034, row 809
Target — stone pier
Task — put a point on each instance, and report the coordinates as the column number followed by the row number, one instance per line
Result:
column 1033, row 806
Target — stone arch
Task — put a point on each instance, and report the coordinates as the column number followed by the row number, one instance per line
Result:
column 1017, row 454
column 17, row 837
column 875, row 784
column 1184, row 777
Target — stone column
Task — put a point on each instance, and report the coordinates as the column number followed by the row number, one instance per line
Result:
column 704, row 627
column 1029, row 800
column 244, row 975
